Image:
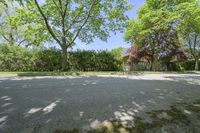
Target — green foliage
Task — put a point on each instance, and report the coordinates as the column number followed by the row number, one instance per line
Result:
column 15, row 58
column 189, row 17
column 117, row 53
column 32, row 23
column 2, row 7
column 189, row 27
column 189, row 65
column 94, row 61
column 183, row 66
column 14, row 30
column 67, row 21
column 155, row 30
column 47, row 60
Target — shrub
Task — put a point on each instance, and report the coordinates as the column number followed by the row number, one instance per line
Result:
column 189, row 65
column 182, row 66
column 15, row 58
column 94, row 61
column 48, row 60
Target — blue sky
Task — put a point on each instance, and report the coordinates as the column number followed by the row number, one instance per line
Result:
column 115, row 40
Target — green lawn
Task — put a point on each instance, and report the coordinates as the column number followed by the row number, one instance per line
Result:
column 97, row 73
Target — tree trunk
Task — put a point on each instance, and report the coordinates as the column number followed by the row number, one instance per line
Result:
column 151, row 67
column 152, row 62
column 64, row 59
column 196, row 65
column 168, row 66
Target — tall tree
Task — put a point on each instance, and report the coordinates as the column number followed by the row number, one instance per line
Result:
column 189, row 28
column 155, row 30
column 69, row 20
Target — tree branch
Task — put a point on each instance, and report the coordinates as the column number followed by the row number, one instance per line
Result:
column 63, row 24
column 84, row 23
column 5, row 38
column 21, row 42
column 194, row 44
column 65, row 9
column 60, row 10
column 190, row 46
column 73, row 21
column 47, row 24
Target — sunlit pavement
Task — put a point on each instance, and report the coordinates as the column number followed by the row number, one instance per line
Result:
column 131, row 103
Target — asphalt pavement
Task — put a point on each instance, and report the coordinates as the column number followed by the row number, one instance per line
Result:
column 84, row 104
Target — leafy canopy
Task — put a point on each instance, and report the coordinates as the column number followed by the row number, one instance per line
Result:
column 155, row 30
column 14, row 29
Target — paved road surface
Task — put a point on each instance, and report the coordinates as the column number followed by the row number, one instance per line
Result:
column 143, row 103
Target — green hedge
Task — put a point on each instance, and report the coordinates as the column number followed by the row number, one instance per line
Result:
column 47, row 60
column 183, row 66
column 94, row 61
column 15, row 58
column 189, row 65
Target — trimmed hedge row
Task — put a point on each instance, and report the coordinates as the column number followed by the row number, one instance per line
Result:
column 189, row 65
column 183, row 66
column 15, row 58
column 94, row 61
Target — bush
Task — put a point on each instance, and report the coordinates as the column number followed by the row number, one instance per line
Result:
column 48, row 60
column 94, row 61
column 189, row 65
column 182, row 66
column 15, row 58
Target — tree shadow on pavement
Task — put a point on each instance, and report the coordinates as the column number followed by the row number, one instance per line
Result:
column 180, row 117
column 190, row 79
